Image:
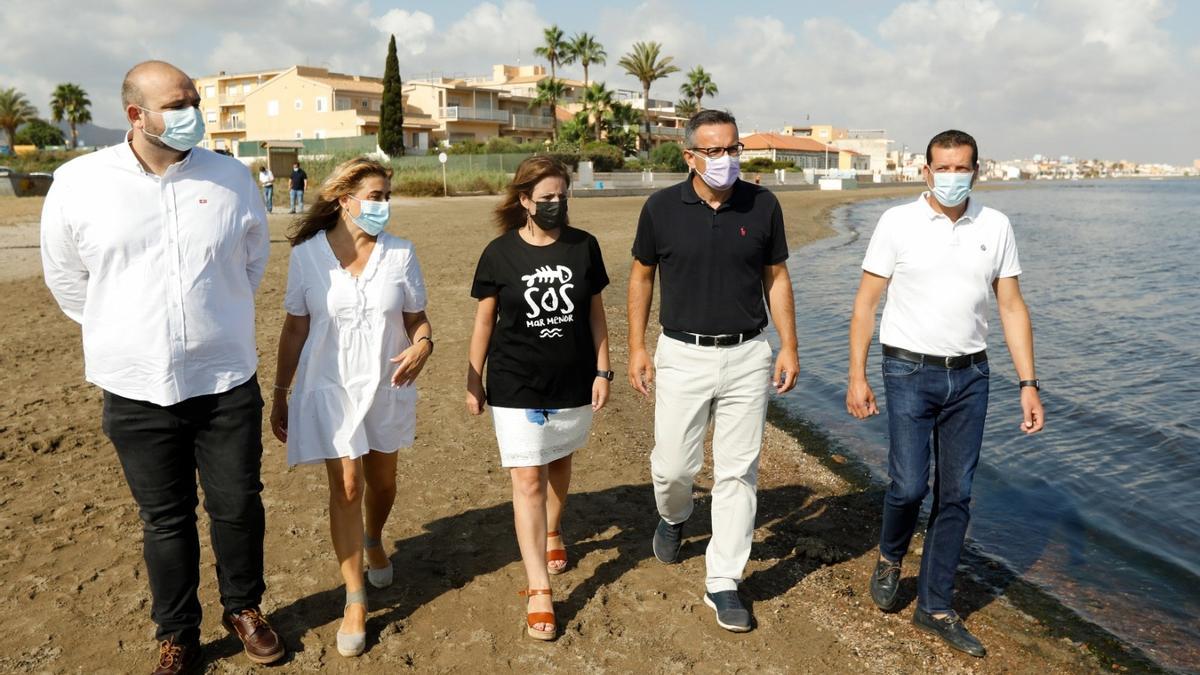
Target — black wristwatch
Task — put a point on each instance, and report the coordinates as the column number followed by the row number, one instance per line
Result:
column 606, row 374
column 1036, row 384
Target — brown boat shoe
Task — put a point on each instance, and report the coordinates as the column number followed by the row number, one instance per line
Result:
column 262, row 643
column 176, row 657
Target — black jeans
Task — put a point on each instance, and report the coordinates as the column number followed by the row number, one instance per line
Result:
column 161, row 450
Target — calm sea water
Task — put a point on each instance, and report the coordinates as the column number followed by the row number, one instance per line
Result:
column 1102, row 509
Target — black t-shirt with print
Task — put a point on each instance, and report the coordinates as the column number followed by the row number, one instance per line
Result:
column 541, row 354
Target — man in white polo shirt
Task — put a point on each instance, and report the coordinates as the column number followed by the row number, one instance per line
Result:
column 938, row 258
column 156, row 248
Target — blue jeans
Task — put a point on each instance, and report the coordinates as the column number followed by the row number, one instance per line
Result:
column 932, row 408
column 162, row 449
column 268, row 196
column 296, row 200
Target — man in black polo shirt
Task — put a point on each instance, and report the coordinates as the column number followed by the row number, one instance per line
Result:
column 720, row 244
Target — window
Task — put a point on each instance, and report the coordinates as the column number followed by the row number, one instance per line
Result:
column 220, row 144
column 343, row 103
column 322, row 104
column 365, row 104
column 299, row 104
column 231, row 90
column 246, row 88
column 377, row 104
column 210, row 91
column 210, row 116
column 272, row 108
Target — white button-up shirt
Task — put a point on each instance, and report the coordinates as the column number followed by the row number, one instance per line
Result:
column 941, row 275
column 160, row 271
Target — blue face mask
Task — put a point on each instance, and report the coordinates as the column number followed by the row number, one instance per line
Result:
column 951, row 188
column 372, row 216
column 182, row 129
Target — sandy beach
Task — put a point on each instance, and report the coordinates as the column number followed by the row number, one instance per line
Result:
column 75, row 597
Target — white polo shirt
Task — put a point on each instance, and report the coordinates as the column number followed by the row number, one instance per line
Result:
column 160, row 271
column 941, row 275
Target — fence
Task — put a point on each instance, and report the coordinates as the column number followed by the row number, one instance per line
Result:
column 315, row 146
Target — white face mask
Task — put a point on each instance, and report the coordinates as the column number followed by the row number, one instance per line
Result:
column 720, row 173
column 182, row 129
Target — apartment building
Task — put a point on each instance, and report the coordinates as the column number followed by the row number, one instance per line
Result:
column 301, row 102
column 305, row 102
column 223, row 102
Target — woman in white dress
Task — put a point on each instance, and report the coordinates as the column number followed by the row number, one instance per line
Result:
column 355, row 337
column 540, row 330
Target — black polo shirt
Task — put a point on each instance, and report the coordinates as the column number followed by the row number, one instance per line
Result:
column 710, row 263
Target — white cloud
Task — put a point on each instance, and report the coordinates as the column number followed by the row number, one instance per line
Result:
column 411, row 29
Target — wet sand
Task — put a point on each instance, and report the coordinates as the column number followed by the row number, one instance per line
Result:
column 72, row 580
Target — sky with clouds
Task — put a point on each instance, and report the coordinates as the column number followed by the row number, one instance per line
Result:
column 1088, row 78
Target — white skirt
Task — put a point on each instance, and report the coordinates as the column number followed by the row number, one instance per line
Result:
column 536, row 436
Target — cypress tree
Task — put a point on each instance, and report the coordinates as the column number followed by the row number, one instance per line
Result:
column 391, row 116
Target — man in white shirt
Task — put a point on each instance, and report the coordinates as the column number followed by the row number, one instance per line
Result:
column 156, row 248
column 267, row 180
column 938, row 258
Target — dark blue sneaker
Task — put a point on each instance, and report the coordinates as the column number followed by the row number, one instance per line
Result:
column 951, row 629
column 731, row 614
column 667, row 540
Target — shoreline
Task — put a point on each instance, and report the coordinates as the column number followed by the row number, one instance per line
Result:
column 72, row 577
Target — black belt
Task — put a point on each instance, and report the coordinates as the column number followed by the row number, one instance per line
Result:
column 950, row 362
column 711, row 340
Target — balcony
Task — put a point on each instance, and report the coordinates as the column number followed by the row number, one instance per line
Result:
column 240, row 99
column 532, row 121
column 458, row 113
column 667, row 132
column 232, row 125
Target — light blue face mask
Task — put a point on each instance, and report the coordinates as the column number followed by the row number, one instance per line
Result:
column 182, row 129
column 372, row 216
column 951, row 188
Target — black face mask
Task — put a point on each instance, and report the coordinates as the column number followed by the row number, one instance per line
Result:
column 551, row 215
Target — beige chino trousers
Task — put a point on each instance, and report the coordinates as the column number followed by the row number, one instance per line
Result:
column 727, row 386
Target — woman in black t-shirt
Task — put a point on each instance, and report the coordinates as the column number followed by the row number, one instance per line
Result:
column 540, row 329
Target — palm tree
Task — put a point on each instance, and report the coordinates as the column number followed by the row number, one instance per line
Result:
column 548, row 93
column 554, row 49
column 643, row 63
column 15, row 110
column 70, row 102
column 699, row 84
column 686, row 107
column 622, row 117
column 597, row 102
column 584, row 49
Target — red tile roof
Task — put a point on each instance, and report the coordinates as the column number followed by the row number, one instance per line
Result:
column 773, row 141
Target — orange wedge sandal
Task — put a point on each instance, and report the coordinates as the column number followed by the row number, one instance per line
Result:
column 534, row 618
column 556, row 555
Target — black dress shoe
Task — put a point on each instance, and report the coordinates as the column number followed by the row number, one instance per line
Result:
column 951, row 629
column 885, row 584
column 731, row 614
column 667, row 540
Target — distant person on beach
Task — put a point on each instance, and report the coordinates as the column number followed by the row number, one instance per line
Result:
column 157, row 247
column 720, row 245
column 267, row 180
column 541, row 332
column 938, row 258
column 355, row 338
column 297, row 184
